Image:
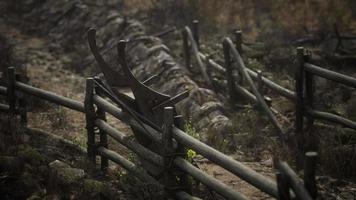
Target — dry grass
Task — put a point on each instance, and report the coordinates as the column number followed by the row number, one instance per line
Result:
column 254, row 17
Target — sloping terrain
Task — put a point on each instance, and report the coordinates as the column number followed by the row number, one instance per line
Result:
column 48, row 69
column 51, row 44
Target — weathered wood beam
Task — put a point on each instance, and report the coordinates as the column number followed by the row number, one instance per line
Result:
column 3, row 90
column 331, row 75
column 50, row 96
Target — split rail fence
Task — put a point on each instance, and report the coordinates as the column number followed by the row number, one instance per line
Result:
column 171, row 138
column 236, row 72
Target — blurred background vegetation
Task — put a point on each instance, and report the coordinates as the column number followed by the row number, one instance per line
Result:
column 255, row 18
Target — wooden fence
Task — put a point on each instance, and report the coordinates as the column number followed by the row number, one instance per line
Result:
column 170, row 137
column 302, row 96
column 173, row 140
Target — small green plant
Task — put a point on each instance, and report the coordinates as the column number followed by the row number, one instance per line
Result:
column 191, row 154
column 190, row 130
column 132, row 157
column 119, row 173
column 81, row 141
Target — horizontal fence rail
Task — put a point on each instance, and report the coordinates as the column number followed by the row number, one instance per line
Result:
column 51, row 96
column 331, row 117
column 273, row 86
column 4, row 107
column 331, row 75
column 128, row 165
column 3, row 90
column 246, row 94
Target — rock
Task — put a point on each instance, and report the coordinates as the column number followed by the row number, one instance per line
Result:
column 34, row 197
column 283, row 105
column 347, row 195
column 93, row 186
column 58, row 164
column 64, row 174
column 217, row 133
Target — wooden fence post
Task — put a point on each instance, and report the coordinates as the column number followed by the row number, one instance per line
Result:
column 261, row 88
column 209, row 70
column 299, row 110
column 259, row 123
column 11, row 97
column 195, row 30
column 167, row 127
column 23, row 106
column 186, row 49
column 100, row 113
column 309, row 173
column 167, row 143
column 185, row 182
column 309, row 90
column 260, row 82
column 238, row 41
column 90, row 118
column 283, row 186
column 228, row 73
column 238, row 44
